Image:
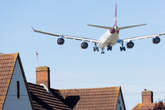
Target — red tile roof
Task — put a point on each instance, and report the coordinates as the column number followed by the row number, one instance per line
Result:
column 144, row 106
column 45, row 100
column 7, row 63
column 94, row 98
column 152, row 106
column 76, row 99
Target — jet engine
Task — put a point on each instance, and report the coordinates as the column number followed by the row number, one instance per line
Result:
column 156, row 40
column 130, row 44
column 84, row 45
column 60, row 41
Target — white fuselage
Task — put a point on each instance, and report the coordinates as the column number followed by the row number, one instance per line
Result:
column 108, row 39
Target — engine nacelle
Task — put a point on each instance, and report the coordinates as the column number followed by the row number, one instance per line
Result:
column 84, row 45
column 156, row 40
column 60, row 41
column 130, row 44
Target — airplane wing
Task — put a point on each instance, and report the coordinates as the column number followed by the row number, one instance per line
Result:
column 67, row 37
column 98, row 26
column 132, row 26
column 143, row 37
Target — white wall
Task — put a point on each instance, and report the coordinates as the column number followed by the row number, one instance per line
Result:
column 120, row 103
column 12, row 102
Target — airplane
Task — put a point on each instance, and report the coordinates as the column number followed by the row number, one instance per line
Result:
column 108, row 39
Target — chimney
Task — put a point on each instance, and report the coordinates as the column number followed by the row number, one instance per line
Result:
column 147, row 97
column 43, row 76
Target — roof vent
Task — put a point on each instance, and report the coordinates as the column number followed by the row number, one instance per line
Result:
column 45, row 87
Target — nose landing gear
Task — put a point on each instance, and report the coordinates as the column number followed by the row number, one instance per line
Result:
column 102, row 51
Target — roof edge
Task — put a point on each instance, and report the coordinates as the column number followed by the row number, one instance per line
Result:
column 137, row 106
column 118, row 87
column 122, row 98
column 25, row 81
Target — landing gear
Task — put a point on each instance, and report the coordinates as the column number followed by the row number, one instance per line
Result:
column 102, row 51
column 95, row 48
column 109, row 48
column 122, row 48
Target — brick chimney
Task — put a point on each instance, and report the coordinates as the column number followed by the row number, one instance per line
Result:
column 147, row 97
column 43, row 76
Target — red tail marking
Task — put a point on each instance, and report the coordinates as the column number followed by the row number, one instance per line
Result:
column 115, row 15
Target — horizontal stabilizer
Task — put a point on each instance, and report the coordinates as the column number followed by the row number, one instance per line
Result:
column 98, row 26
column 132, row 26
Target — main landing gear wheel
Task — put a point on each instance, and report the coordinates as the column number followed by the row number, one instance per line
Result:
column 109, row 48
column 122, row 49
column 95, row 49
column 102, row 51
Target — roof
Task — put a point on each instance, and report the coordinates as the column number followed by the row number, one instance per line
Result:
column 76, row 99
column 152, row 106
column 41, row 99
column 7, row 64
column 141, row 106
column 92, row 99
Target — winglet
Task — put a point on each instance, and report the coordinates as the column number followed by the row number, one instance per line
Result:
column 33, row 29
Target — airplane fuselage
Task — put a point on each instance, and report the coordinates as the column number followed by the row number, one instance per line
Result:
column 108, row 39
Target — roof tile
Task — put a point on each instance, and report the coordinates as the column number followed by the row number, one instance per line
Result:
column 44, row 100
column 7, row 63
column 93, row 98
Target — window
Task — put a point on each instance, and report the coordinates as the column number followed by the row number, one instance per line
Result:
column 18, row 89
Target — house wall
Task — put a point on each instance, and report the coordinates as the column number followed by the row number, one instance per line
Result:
column 120, row 103
column 12, row 102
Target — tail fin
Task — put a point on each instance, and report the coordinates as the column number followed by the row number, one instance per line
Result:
column 115, row 15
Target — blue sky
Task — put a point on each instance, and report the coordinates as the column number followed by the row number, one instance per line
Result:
column 71, row 67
